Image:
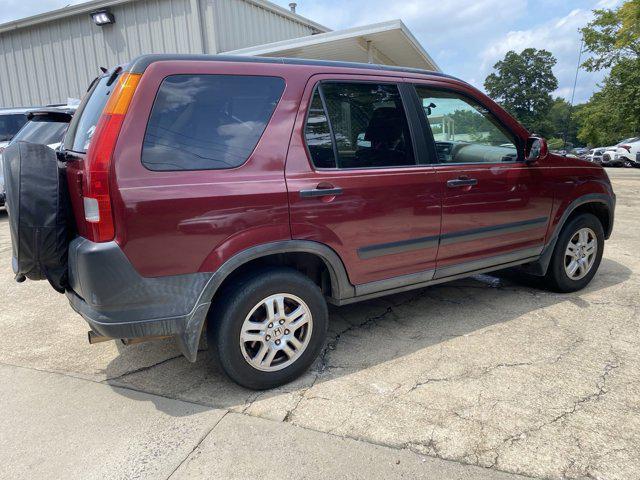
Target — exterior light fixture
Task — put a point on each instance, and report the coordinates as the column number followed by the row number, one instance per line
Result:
column 103, row 17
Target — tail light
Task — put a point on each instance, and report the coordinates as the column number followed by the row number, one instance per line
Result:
column 97, row 198
column 626, row 147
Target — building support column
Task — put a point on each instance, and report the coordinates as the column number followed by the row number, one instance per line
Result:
column 197, row 16
column 370, row 52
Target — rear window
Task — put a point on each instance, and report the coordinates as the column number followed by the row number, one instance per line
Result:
column 208, row 122
column 83, row 124
column 42, row 132
column 10, row 124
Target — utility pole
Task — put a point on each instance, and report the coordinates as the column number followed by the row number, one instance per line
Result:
column 573, row 94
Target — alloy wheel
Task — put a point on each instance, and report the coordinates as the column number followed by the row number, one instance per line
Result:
column 276, row 332
column 580, row 253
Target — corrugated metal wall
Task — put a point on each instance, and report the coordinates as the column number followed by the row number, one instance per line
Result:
column 49, row 62
column 244, row 24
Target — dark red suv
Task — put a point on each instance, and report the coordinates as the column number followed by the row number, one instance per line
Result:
column 238, row 196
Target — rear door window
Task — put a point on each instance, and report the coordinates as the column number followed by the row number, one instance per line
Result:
column 208, row 122
column 367, row 123
column 318, row 134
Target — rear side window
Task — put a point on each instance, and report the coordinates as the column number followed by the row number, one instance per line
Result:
column 208, row 122
column 367, row 123
column 10, row 124
column 83, row 124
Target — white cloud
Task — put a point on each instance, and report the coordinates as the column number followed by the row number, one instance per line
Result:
column 560, row 36
column 438, row 21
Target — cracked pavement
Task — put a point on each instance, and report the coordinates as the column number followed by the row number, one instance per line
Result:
column 488, row 371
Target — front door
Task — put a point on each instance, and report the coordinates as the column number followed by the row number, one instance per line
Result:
column 495, row 207
column 359, row 180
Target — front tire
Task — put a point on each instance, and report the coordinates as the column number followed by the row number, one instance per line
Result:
column 268, row 329
column 577, row 254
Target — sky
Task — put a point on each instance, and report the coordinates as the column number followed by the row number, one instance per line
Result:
column 465, row 37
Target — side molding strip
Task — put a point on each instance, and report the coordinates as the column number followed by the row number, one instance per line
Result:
column 377, row 250
column 372, row 251
column 484, row 232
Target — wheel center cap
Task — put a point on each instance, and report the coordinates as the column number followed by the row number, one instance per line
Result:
column 277, row 332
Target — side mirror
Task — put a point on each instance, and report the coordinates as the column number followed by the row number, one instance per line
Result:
column 536, row 149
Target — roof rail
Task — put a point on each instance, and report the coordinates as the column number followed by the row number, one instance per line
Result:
column 139, row 64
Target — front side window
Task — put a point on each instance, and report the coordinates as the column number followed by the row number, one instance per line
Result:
column 465, row 131
column 368, row 125
column 208, row 122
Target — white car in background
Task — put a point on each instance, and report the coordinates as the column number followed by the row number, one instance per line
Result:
column 609, row 155
column 628, row 153
column 595, row 154
column 46, row 126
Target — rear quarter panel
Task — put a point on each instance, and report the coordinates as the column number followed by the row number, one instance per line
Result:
column 170, row 223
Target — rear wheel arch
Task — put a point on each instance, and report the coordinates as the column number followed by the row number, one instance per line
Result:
column 313, row 259
column 284, row 253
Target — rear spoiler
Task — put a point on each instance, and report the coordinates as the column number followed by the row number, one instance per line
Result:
column 51, row 115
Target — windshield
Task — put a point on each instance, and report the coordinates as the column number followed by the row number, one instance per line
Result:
column 10, row 124
column 41, row 132
column 83, row 124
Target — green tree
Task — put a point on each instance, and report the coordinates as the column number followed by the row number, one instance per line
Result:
column 555, row 143
column 613, row 39
column 561, row 122
column 522, row 83
column 612, row 36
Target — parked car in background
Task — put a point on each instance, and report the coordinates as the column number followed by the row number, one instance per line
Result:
column 236, row 197
column 580, row 151
column 595, row 154
column 628, row 152
column 11, row 121
column 609, row 155
column 45, row 126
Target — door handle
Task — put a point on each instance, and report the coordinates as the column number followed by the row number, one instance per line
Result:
column 321, row 192
column 462, row 182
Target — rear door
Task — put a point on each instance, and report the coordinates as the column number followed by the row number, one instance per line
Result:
column 495, row 207
column 359, row 180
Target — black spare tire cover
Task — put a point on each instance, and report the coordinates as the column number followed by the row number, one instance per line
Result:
column 39, row 213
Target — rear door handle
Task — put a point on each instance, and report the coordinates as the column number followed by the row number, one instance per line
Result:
column 462, row 182
column 321, row 192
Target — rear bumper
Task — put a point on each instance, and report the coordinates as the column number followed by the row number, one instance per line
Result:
column 117, row 302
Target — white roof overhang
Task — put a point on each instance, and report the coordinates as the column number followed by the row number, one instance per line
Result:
column 387, row 43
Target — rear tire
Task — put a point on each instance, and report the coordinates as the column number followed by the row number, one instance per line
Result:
column 577, row 254
column 267, row 329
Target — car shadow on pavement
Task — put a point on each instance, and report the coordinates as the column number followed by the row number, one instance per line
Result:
column 361, row 336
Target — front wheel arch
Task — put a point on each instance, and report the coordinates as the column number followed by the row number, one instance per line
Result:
column 600, row 205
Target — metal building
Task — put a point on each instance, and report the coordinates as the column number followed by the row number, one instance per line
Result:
column 50, row 57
